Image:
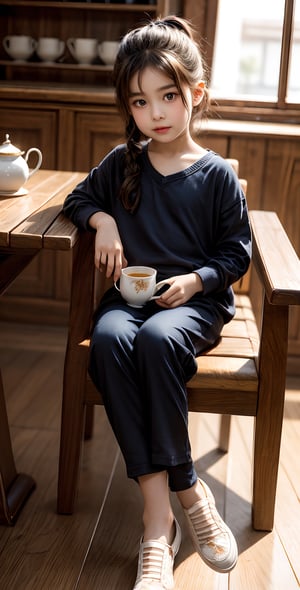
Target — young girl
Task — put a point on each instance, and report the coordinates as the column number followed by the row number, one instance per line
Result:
column 163, row 201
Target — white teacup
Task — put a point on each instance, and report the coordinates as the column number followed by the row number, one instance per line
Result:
column 83, row 50
column 138, row 285
column 19, row 47
column 50, row 48
column 107, row 51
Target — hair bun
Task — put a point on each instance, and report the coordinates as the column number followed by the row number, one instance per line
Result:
column 176, row 22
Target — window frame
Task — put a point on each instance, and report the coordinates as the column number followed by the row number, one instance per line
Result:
column 278, row 111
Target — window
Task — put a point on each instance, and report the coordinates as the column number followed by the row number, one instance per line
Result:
column 293, row 89
column 257, row 52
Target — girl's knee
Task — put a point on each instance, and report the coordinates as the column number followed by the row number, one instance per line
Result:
column 153, row 339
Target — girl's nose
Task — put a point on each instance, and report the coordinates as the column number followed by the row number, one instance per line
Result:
column 157, row 113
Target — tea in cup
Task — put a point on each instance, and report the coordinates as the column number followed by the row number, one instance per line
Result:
column 50, row 48
column 19, row 47
column 138, row 285
column 83, row 50
column 107, row 51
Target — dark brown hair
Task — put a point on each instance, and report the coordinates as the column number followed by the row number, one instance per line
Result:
column 167, row 44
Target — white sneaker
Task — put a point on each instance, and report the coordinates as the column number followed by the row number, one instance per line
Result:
column 155, row 565
column 212, row 538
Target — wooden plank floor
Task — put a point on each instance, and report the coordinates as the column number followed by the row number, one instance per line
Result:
column 96, row 548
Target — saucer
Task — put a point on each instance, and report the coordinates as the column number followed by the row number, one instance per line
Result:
column 20, row 193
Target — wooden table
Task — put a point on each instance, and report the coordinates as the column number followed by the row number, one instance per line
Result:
column 28, row 224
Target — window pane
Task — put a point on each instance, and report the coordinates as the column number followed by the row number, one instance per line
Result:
column 247, row 49
column 293, row 94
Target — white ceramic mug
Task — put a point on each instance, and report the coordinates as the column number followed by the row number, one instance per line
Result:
column 19, row 47
column 50, row 48
column 83, row 50
column 138, row 285
column 107, row 51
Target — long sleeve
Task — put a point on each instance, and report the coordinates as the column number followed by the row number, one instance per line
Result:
column 195, row 220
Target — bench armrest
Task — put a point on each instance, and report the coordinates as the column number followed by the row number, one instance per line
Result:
column 275, row 259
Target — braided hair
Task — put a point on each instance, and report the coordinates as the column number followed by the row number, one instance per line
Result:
column 167, row 44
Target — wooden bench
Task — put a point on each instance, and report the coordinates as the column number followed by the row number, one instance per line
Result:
column 243, row 375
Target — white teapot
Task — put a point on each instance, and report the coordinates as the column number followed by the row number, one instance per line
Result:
column 14, row 170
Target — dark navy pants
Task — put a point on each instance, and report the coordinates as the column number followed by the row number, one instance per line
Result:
column 141, row 359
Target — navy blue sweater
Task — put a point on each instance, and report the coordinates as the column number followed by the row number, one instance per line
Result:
column 193, row 220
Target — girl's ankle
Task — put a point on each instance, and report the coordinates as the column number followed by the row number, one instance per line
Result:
column 161, row 529
column 189, row 497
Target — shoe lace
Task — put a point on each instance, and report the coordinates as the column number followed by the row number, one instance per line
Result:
column 152, row 562
column 208, row 526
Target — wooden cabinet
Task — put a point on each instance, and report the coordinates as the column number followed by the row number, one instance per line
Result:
column 64, row 107
column 71, row 135
column 32, row 127
column 97, row 132
column 66, row 19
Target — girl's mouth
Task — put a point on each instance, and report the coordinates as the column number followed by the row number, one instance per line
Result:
column 161, row 129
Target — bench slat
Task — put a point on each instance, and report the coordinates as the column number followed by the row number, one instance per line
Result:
column 225, row 373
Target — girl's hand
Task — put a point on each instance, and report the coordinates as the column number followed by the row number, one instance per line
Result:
column 182, row 288
column 108, row 246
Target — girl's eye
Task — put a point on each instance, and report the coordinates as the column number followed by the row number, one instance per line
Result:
column 170, row 96
column 140, row 102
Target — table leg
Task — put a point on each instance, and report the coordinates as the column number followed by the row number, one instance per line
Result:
column 75, row 372
column 14, row 487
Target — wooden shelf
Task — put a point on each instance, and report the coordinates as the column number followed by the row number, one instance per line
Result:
column 81, row 5
column 55, row 65
column 66, row 19
column 27, row 93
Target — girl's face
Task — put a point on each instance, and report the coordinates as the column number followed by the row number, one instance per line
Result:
column 157, row 106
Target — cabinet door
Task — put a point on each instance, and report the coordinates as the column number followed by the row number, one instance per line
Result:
column 96, row 133
column 35, row 287
column 31, row 128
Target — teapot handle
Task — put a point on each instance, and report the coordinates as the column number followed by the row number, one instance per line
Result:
column 40, row 158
